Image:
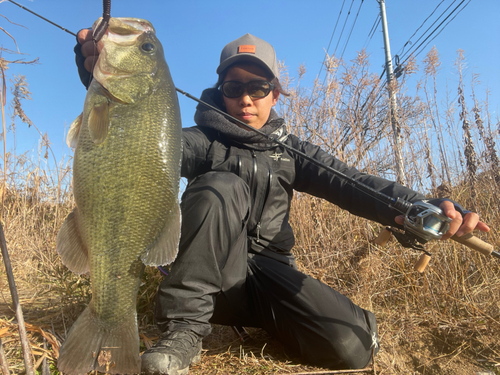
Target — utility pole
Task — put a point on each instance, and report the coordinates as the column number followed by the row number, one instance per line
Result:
column 396, row 130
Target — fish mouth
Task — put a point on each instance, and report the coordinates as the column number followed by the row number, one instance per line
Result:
column 123, row 32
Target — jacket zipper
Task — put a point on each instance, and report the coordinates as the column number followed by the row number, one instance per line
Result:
column 264, row 200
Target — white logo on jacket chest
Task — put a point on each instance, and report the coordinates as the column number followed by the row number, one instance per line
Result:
column 277, row 156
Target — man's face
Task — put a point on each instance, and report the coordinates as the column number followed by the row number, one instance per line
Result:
column 252, row 111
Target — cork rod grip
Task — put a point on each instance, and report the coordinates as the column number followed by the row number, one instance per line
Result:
column 475, row 243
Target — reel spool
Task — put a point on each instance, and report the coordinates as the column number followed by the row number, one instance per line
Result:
column 426, row 221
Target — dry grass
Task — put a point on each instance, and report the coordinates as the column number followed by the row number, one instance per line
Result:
column 445, row 321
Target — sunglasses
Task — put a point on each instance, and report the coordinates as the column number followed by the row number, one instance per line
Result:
column 255, row 89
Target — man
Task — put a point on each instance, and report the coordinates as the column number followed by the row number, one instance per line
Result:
column 235, row 265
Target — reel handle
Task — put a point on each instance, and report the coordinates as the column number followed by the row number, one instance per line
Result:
column 383, row 237
column 422, row 263
column 474, row 243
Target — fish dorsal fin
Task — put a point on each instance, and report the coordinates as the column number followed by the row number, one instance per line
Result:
column 74, row 131
column 70, row 247
column 99, row 122
column 164, row 250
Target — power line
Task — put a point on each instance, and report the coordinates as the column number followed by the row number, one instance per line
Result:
column 372, row 30
column 347, row 17
column 352, row 28
column 433, row 31
column 409, row 39
column 327, row 50
column 343, row 27
column 331, row 38
column 424, row 33
column 443, row 28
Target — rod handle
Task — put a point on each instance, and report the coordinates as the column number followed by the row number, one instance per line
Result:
column 475, row 243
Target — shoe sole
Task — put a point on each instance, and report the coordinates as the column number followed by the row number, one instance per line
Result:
column 185, row 371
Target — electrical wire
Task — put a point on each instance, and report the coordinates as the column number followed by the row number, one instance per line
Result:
column 433, row 31
column 372, row 31
column 331, row 38
column 340, row 37
column 343, row 27
column 443, row 28
column 400, row 52
column 414, row 48
column 425, row 32
column 352, row 28
column 379, row 92
column 326, row 54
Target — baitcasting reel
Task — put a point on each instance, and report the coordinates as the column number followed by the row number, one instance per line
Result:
column 426, row 221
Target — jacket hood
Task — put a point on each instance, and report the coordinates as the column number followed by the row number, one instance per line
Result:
column 209, row 118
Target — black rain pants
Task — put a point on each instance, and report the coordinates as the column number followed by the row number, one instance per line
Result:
column 216, row 280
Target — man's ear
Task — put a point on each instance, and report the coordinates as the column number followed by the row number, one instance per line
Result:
column 276, row 95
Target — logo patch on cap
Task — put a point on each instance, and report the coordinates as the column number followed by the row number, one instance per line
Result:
column 246, row 48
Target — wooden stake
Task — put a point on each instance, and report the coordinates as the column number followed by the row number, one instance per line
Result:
column 3, row 360
column 28, row 364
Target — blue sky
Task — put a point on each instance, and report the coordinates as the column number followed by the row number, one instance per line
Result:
column 193, row 32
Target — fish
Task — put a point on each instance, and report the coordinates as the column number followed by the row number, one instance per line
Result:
column 126, row 172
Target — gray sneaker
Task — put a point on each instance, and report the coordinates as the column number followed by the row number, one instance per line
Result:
column 172, row 354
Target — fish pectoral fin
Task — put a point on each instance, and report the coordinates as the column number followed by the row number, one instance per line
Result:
column 99, row 122
column 70, row 247
column 74, row 131
column 164, row 250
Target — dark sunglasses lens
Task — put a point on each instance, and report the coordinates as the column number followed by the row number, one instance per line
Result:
column 233, row 89
column 258, row 89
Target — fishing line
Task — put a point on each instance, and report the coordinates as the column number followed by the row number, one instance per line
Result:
column 395, row 203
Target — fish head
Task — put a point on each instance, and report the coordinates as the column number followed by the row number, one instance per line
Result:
column 131, row 59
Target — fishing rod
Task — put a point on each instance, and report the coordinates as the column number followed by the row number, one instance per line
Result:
column 423, row 221
column 43, row 18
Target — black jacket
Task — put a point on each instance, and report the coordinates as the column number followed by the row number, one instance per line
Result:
column 272, row 173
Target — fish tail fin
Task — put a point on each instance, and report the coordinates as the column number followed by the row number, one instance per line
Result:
column 89, row 347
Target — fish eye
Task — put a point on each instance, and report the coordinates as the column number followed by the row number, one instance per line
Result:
column 148, row 47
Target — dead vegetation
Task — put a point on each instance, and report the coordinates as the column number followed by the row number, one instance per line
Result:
column 445, row 321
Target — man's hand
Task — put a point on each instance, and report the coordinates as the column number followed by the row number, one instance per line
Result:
column 89, row 50
column 85, row 56
column 458, row 226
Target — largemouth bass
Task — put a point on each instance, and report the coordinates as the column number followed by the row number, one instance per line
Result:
column 126, row 172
